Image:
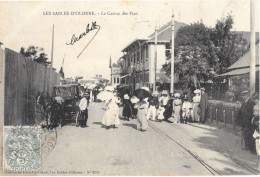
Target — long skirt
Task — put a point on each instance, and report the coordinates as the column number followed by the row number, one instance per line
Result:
column 160, row 113
column 111, row 117
column 177, row 113
column 152, row 111
column 142, row 123
column 127, row 110
column 195, row 115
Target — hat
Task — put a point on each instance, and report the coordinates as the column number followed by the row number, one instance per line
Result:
column 197, row 91
column 126, row 97
column 164, row 92
column 245, row 91
column 177, row 95
column 202, row 88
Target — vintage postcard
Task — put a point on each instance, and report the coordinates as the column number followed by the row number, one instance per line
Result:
column 136, row 88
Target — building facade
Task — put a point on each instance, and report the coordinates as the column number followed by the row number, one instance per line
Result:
column 139, row 67
column 115, row 75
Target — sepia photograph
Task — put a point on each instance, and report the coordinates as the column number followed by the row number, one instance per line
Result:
column 129, row 88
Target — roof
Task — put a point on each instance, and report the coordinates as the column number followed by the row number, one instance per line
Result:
column 239, row 71
column 133, row 42
column 244, row 61
column 164, row 34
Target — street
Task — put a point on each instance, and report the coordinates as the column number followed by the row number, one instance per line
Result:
column 165, row 149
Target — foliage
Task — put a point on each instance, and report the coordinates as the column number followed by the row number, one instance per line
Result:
column 202, row 52
column 36, row 54
column 239, row 84
column 231, row 46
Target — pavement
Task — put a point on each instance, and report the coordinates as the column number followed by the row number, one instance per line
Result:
column 165, row 149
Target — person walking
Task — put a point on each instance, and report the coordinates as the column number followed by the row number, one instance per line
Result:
column 127, row 107
column 244, row 119
column 203, row 105
column 169, row 109
column 195, row 106
column 177, row 104
column 111, row 118
column 153, row 106
column 186, row 109
column 142, row 107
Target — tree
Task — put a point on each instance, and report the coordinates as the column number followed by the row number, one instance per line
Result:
column 202, row 52
column 36, row 54
column 193, row 53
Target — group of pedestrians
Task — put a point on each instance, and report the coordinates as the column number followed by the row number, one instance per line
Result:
column 162, row 106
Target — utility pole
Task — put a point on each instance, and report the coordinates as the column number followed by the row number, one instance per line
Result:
column 252, row 47
column 172, row 56
column 155, row 58
column 49, row 87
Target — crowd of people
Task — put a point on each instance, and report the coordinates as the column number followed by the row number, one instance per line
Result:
column 156, row 107
column 178, row 108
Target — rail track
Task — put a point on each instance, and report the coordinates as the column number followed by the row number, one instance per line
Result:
column 207, row 166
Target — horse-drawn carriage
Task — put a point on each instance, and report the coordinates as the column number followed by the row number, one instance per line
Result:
column 62, row 106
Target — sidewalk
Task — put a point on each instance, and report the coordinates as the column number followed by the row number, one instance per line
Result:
column 223, row 140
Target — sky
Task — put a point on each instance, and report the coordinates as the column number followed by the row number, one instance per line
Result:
column 26, row 23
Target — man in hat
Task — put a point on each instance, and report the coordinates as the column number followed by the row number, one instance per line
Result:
column 244, row 119
column 153, row 106
column 83, row 108
column 203, row 105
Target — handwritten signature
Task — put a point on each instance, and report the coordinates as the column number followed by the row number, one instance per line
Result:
column 75, row 39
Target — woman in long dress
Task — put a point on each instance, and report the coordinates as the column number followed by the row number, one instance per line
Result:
column 127, row 107
column 196, row 101
column 111, row 117
column 142, row 107
column 177, row 104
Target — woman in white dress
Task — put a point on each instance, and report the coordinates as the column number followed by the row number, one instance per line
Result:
column 196, row 101
column 111, row 117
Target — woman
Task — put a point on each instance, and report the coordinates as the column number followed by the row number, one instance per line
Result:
column 142, row 107
column 127, row 107
column 153, row 106
column 111, row 118
column 177, row 104
column 162, row 105
column 196, row 109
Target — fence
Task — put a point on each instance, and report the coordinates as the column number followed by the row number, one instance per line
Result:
column 223, row 113
column 24, row 78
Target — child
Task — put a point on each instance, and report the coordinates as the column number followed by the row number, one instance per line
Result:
column 186, row 110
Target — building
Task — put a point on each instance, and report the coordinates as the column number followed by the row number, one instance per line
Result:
column 115, row 75
column 138, row 67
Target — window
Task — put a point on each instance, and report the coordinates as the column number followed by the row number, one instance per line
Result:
column 134, row 58
column 114, row 80
column 118, row 80
column 147, row 52
column 138, row 57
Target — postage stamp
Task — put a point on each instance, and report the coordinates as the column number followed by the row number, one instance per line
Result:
column 22, row 149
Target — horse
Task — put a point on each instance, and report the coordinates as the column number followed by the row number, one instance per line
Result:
column 51, row 107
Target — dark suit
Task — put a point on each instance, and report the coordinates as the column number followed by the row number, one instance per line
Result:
column 244, row 118
column 203, row 106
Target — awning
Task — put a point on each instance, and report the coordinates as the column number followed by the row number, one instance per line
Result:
column 238, row 72
column 125, row 76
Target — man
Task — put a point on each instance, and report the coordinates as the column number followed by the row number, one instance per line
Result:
column 153, row 106
column 244, row 119
column 83, row 104
column 203, row 105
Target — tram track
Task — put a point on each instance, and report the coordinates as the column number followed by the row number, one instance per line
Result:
column 203, row 163
column 252, row 170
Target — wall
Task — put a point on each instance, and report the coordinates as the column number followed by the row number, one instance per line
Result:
column 23, row 80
